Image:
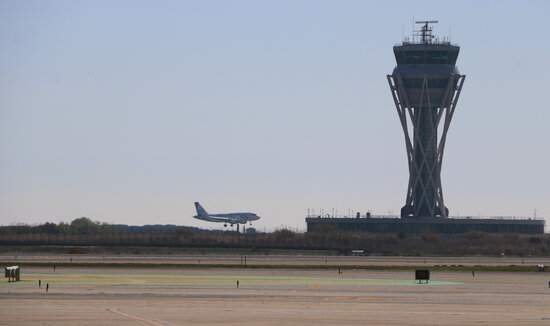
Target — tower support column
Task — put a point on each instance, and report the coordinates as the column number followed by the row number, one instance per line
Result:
column 421, row 122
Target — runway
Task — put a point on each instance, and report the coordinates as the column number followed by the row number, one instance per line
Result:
column 205, row 280
column 271, row 259
column 199, row 296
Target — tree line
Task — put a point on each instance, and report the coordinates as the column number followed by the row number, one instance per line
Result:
column 84, row 225
column 85, row 232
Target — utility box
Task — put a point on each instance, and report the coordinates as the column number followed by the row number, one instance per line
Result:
column 422, row 275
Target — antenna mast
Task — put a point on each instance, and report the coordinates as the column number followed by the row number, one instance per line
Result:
column 425, row 32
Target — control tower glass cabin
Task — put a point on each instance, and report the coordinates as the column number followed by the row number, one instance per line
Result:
column 425, row 86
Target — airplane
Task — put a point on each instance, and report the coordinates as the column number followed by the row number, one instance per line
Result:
column 231, row 218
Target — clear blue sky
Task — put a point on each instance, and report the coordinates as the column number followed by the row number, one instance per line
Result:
column 129, row 111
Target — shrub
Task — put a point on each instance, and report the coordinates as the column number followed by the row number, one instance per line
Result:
column 511, row 236
column 284, row 234
column 75, row 251
column 386, row 238
column 430, row 236
column 474, row 235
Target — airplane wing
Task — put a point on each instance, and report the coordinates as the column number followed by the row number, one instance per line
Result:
column 216, row 219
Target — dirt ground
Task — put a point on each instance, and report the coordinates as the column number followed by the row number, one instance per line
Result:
column 199, row 296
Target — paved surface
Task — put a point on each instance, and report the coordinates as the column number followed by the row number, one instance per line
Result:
column 117, row 296
column 273, row 259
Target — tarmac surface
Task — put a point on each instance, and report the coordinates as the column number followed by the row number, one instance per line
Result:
column 202, row 296
column 231, row 259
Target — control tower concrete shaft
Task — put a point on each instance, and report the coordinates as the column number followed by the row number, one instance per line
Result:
column 425, row 86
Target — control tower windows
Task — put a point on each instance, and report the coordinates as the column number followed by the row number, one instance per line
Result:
column 414, row 57
column 399, row 57
column 437, row 57
column 452, row 57
column 425, row 56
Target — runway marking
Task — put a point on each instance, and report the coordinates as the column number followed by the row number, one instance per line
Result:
column 124, row 314
column 316, row 287
column 213, row 280
column 325, row 298
column 224, row 276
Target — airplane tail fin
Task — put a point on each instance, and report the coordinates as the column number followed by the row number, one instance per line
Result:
column 200, row 210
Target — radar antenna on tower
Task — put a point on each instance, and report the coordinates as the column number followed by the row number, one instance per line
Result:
column 425, row 32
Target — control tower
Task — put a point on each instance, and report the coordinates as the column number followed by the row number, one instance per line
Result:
column 425, row 86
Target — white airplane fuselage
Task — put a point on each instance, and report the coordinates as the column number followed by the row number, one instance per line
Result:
column 231, row 218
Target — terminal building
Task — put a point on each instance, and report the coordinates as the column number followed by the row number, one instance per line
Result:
column 417, row 226
column 425, row 86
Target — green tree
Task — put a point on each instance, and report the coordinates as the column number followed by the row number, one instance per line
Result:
column 84, row 225
column 48, row 228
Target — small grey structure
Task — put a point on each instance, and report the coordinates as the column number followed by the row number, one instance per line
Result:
column 425, row 86
column 13, row 273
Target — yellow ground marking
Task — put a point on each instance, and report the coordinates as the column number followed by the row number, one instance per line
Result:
column 124, row 314
column 346, row 298
column 316, row 287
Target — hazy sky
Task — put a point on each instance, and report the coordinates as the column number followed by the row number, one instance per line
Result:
column 129, row 111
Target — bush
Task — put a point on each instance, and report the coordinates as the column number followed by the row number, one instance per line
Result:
column 183, row 232
column 430, row 236
column 75, row 251
column 284, row 234
column 511, row 237
column 474, row 235
column 386, row 238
